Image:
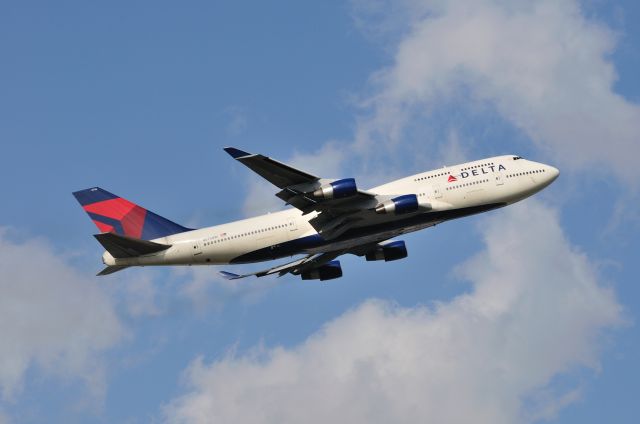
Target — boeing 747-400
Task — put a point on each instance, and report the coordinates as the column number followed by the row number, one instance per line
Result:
column 328, row 217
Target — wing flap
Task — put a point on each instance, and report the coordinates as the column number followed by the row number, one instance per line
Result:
column 296, row 267
column 280, row 269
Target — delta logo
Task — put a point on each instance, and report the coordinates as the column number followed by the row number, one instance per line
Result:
column 476, row 172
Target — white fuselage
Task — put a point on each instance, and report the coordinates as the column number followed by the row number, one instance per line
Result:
column 451, row 192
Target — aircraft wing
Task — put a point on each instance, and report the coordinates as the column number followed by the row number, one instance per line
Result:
column 275, row 172
column 339, row 203
column 296, row 267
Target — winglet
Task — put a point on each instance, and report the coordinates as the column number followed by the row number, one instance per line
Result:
column 229, row 275
column 236, row 153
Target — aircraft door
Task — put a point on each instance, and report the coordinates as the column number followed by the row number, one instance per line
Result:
column 291, row 223
column 197, row 248
column 437, row 191
column 499, row 178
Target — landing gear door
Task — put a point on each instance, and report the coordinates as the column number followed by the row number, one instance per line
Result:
column 437, row 191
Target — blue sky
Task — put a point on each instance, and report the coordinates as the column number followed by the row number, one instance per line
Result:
column 523, row 315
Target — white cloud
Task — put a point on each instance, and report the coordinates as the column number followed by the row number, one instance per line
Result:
column 536, row 307
column 454, row 151
column 542, row 65
column 140, row 295
column 207, row 291
column 535, row 311
column 261, row 198
column 51, row 317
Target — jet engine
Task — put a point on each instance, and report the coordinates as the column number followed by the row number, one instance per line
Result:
column 388, row 252
column 337, row 189
column 329, row 271
column 399, row 205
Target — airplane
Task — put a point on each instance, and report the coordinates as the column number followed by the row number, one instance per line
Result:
column 327, row 218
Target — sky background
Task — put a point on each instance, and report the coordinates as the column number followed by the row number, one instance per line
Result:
column 526, row 314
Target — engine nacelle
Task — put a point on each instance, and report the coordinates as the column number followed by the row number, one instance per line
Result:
column 388, row 252
column 329, row 271
column 337, row 189
column 399, row 205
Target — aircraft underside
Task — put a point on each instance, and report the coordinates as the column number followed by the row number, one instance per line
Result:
column 360, row 236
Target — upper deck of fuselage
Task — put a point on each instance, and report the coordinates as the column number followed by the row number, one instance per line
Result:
column 441, row 175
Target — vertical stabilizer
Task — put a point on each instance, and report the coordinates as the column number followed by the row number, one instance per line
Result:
column 114, row 214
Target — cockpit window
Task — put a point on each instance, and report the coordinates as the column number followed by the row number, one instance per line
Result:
column 517, row 157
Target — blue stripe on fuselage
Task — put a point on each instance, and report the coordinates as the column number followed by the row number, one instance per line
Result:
column 301, row 245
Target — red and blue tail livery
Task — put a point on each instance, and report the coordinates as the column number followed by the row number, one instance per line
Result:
column 114, row 214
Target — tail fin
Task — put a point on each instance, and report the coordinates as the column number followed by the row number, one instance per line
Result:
column 113, row 214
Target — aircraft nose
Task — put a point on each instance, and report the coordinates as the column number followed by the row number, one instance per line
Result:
column 549, row 176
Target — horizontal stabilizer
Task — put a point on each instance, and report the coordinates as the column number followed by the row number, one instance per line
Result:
column 111, row 269
column 128, row 247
